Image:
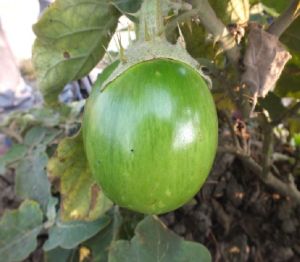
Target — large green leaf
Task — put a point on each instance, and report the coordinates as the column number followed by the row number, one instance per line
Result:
column 154, row 242
column 18, row 231
column 71, row 39
column 81, row 197
column 71, row 234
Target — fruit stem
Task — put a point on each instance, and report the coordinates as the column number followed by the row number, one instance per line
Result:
column 151, row 20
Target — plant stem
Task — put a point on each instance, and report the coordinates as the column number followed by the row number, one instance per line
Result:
column 285, row 19
column 151, row 20
column 170, row 27
column 215, row 26
column 231, row 129
column 267, row 149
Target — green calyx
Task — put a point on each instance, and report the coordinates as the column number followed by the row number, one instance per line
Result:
column 141, row 51
column 152, row 44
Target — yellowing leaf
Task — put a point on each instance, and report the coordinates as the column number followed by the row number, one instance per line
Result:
column 82, row 198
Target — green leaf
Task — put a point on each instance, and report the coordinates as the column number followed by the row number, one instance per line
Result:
column 40, row 136
column 18, row 231
column 31, row 177
column 223, row 101
column 16, row 152
column 71, row 39
column 197, row 43
column 71, row 234
column 60, row 255
column 278, row 5
column 99, row 244
column 128, row 6
column 231, row 11
column 294, row 125
column 291, row 37
column 35, row 116
column 51, row 212
column 296, row 138
column 154, row 242
column 35, row 136
column 288, row 84
column 81, row 197
column 272, row 103
column 44, row 116
column 130, row 220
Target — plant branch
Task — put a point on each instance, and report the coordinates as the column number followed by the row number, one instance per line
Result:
column 179, row 19
column 215, row 26
column 285, row 19
column 231, row 129
column 287, row 189
column 267, row 149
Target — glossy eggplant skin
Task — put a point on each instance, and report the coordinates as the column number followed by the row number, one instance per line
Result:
column 151, row 135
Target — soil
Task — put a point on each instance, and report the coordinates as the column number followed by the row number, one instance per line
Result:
column 238, row 218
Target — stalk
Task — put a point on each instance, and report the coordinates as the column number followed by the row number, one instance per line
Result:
column 151, row 21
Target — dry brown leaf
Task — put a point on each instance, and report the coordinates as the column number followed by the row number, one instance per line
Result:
column 264, row 61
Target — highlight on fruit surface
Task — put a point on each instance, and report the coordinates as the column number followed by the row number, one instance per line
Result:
column 150, row 134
